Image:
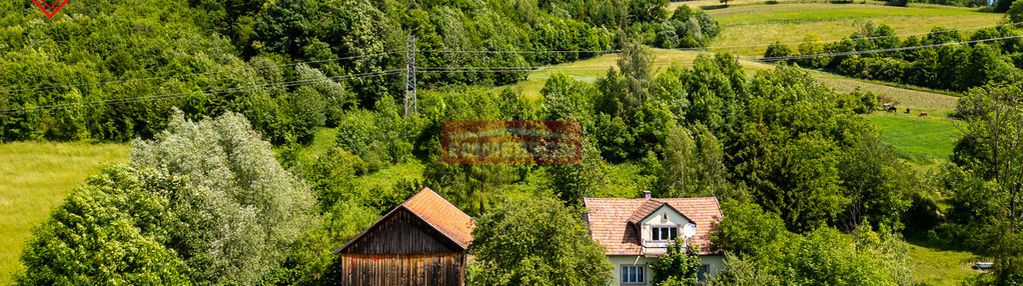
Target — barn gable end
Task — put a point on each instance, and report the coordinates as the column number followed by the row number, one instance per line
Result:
column 420, row 242
column 401, row 232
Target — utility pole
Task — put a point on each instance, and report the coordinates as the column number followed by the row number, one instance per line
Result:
column 410, row 75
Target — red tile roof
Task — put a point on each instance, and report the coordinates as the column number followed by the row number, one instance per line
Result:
column 609, row 221
column 442, row 215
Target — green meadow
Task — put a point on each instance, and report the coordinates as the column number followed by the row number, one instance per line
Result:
column 34, row 178
column 747, row 30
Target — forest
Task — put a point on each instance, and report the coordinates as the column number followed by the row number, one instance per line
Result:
column 220, row 99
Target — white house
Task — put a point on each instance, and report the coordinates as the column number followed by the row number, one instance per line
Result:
column 636, row 231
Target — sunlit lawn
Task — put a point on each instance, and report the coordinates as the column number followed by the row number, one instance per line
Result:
column 923, row 140
column 747, row 30
column 939, row 267
column 34, row 178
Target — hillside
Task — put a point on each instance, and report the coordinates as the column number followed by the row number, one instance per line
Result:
column 324, row 89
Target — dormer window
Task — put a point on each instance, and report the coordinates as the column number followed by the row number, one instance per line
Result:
column 663, row 233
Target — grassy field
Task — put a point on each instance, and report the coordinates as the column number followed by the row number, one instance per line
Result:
column 923, row 140
column 747, row 30
column 914, row 99
column 35, row 178
column 590, row 70
column 939, row 267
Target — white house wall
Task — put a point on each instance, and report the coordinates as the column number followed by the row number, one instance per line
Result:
column 657, row 220
column 715, row 264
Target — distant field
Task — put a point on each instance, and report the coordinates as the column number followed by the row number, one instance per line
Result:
column 903, row 98
column 592, row 69
column 760, row 25
column 924, row 140
column 34, row 177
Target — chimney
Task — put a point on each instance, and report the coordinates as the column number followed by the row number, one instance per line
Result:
column 646, row 194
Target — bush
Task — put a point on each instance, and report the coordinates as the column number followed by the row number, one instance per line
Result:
column 687, row 28
column 776, row 50
column 898, row 3
column 535, row 242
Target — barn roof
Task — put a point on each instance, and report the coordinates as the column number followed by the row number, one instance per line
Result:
column 435, row 211
column 442, row 215
column 610, row 220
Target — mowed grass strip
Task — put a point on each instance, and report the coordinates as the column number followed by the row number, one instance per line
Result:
column 748, row 30
column 34, row 178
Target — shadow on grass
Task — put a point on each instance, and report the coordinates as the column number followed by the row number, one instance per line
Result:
column 921, row 240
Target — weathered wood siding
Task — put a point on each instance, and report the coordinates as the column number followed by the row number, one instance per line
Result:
column 402, row 233
column 402, row 250
column 411, row 270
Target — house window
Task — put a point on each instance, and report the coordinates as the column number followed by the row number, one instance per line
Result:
column 702, row 272
column 663, row 233
column 632, row 274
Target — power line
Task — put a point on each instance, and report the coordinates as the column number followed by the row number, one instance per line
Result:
column 189, row 74
column 183, row 94
column 519, row 51
column 850, row 53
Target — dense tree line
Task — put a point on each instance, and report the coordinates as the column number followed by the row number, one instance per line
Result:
column 942, row 63
column 114, row 70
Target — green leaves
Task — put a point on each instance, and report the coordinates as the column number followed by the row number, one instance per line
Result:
column 759, row 249
column 204, row 203
column 678, row 266
column 110, row 231
column 535, row 242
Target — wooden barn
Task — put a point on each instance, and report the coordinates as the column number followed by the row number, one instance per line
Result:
column 423, row 241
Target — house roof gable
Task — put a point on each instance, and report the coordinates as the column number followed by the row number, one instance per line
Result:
column 610, row 220
column 650, row 207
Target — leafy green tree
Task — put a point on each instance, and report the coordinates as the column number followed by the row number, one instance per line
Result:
column 283, row 26
column 331, row 176
column 678, row 266
column 759, row 249
column 687, row 28
column 651, row 11
column 778, row 50
column 877, row 186
column 810, row 47
column 749, row 231
column 743, row 272
column 693, row 165
column 535, row 242
column 989, row 158
column 573, row 182
column 244, row 208
column 111, row 231
column 1015, row 13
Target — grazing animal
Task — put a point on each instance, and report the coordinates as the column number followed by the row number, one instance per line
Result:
column 907, row 110
column 923, row 114
column 892, row 108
